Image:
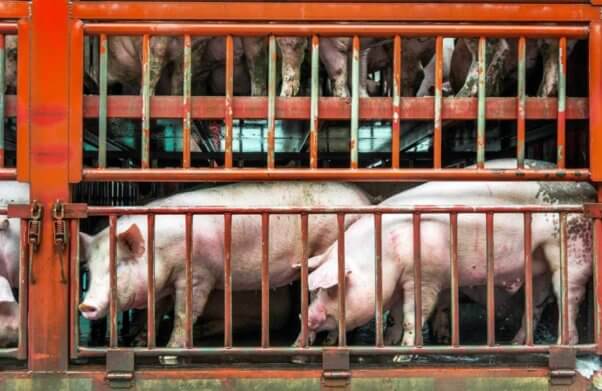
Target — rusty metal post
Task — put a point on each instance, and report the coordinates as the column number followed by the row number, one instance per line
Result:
column 438, row 124
column 47, row 163
column 314, row 116
column 396, row 101
column 521, row 103
column 187, row 102
column 271, row 102
column 561, row 125
column 595, row 99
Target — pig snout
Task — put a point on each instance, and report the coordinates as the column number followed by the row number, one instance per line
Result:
column 316, row 316
column 92, row 310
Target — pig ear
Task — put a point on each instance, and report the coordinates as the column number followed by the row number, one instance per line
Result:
column 314, row 262
column 132, row 241
column 325, row 277
column 85, row 242
column 4, row 223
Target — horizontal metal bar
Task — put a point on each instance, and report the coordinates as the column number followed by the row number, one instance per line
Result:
column 331, row 108
column 9, row 353
column 8, row 28
column 256, row 210
column 313, row 11
column 359, row 175
column 360, row 350
column 7, row 174
column 334, row 30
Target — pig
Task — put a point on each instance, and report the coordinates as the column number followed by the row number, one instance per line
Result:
column 9, row 315
column 397, row 257
column 293, row 53
column 208, row 257
column 427, row 86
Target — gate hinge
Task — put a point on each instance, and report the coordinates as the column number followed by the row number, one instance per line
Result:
column 33, row 214
column 336, row 373
column 120, row 369
column 60, row 212
column 562, row 363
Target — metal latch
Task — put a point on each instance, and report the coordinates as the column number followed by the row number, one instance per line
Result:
column 61, row 235
column 33, row 213
column 335, row 370
column 120, row 369
column 562, row 363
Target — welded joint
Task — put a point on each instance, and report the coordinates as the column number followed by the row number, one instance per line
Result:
column 120, row 369
column 562, row 363
column 336, row 373
column 593, row 210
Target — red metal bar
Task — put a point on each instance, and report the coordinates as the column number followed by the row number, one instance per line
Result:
column 454, row 279
column 411, row 108
column 396, row 102
column 150, row 259
column 187, row 102
column 490, row 281
column 74, row 282
column 228, row 119
column 265, row 280
column 334, row 30
column 189, row 298
column 368, row 174
column 341, row 278
column 23, row 293
column 437, row 138
column 314, row 102
column 564, row 278
column 417, row 279
column 228, row 280
column 561, row 122
column 378, row 281
column 354, row 350
column 14, row 10
column 285, row 210
column 304, row 277
column 527, row 219
column 23, row 103
column 113, row 335
column 597, row 253
column 595, row 96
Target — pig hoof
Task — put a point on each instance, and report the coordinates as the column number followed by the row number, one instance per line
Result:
column 402, row 358
column 169, row 360
column 299, row 360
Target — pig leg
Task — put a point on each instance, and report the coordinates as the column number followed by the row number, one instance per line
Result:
column 201, row 288
column 158, row 48
column 293, row 52
column 256, row 55
column 549, row 81
column 430, row 292
column 394, row 332
column 333, row 53
column 440, row 320
column 541, row 294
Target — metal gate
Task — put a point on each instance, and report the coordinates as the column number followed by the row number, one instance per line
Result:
column 52, row 112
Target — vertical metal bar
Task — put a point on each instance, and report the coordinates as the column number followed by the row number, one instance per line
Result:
column 490, row 281
column 437, row 138
column 2, row 92
column 341, row 277
column 271, row 102
column 188, row 233
column 24, row 297
column 113, row 336
column 564, row 278
column 481, row 103
column 395, row 124
column 378, row 282
column 304, row 277
column 454, row 275
column 521, row 103
column 228, row 280
column 150, row 257
column 595, row 101
column 229, row 97
column 146, row 58
column 24, row 141
column 417, row 279
column 102, row 101
column 528, row 278
column 74, row 284
column 355, row 101
column 187, row 102
column 265, row 280
column 314, row 114
column 561, row 131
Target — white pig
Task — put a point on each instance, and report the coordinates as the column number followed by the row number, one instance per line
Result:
column 285, row 247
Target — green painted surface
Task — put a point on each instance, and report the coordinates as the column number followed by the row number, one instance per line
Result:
column 47, row 383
